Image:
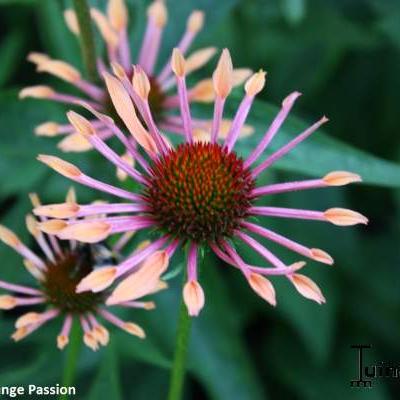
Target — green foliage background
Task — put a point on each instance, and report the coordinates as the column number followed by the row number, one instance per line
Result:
column 344, row 56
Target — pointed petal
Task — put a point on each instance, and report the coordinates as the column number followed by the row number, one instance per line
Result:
column 34, row 270
column 178, row 63
column 126, row 111
column 345, row 217
column 199, row 58
column 193, row 296
column 63, row 210
column 28, row 319
column 195, row 21
column 47, row 129
column 143, row 281
column 74, row 142
column 60, row 69
column 108, row 33
column 307, row 288
column 203, row 91
column 340, row 178
column 32, row 226
column 240, row 75
column 149, row 305
column 222, row 77
column 134, row 329
column 20, row 334
column 62, row 167
column 80, row 123
column 118, row 70
column 256, row 83
column 37, row 58
column 71, row 21
column 158, row 13
column 53, row 226
column 9, row 237
column 38, row 92
column 90, row 341
column 321, row 256
column 97, row 280
column 101, row 334
column 117, row 14
column 86, row 231
column 141, row 83
column 62, row 341
column 263, row 287
column 7, row 302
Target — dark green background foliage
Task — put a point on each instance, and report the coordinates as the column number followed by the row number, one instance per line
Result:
column 344, row 56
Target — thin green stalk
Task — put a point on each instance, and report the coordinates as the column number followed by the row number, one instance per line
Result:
column 71, row 361
column 86, row 37
column 177, row 377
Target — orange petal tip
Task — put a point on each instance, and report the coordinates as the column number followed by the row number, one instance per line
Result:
column 321, row 256
column 97, row 280
column 193, row 295
column 340, row 178
column 344, row 217
column 263, row 287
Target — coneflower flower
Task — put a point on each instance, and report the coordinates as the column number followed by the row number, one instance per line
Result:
column 160, row 86
column 58, row 273
column 197, row 195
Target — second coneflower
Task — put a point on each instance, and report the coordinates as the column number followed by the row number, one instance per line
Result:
column 163, row 100
column 197, row 195
column 58, row 272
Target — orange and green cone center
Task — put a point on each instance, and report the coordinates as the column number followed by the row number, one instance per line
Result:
column 199, row 192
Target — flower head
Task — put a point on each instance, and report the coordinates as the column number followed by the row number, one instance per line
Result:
column 59, row 274
column 153, row 90
column 199, row 191
column 202, row 194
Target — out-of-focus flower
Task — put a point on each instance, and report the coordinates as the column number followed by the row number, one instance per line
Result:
column 58, row 273
column 197, row 195
column 158, row 86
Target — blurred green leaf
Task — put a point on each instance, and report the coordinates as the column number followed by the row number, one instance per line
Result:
column 294, row 10
column 388, row 14
column 106, row 384
column 389, row 25
column 306, row 56
column 19, row 169
column 33, row 367
column 147, row 351
column 13, row 2
column 153, row 382
column 10, row 54
column 24, row 374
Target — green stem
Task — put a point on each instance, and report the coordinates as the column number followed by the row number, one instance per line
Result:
column 73, row 350
column 86, row 37
column 181, row 348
